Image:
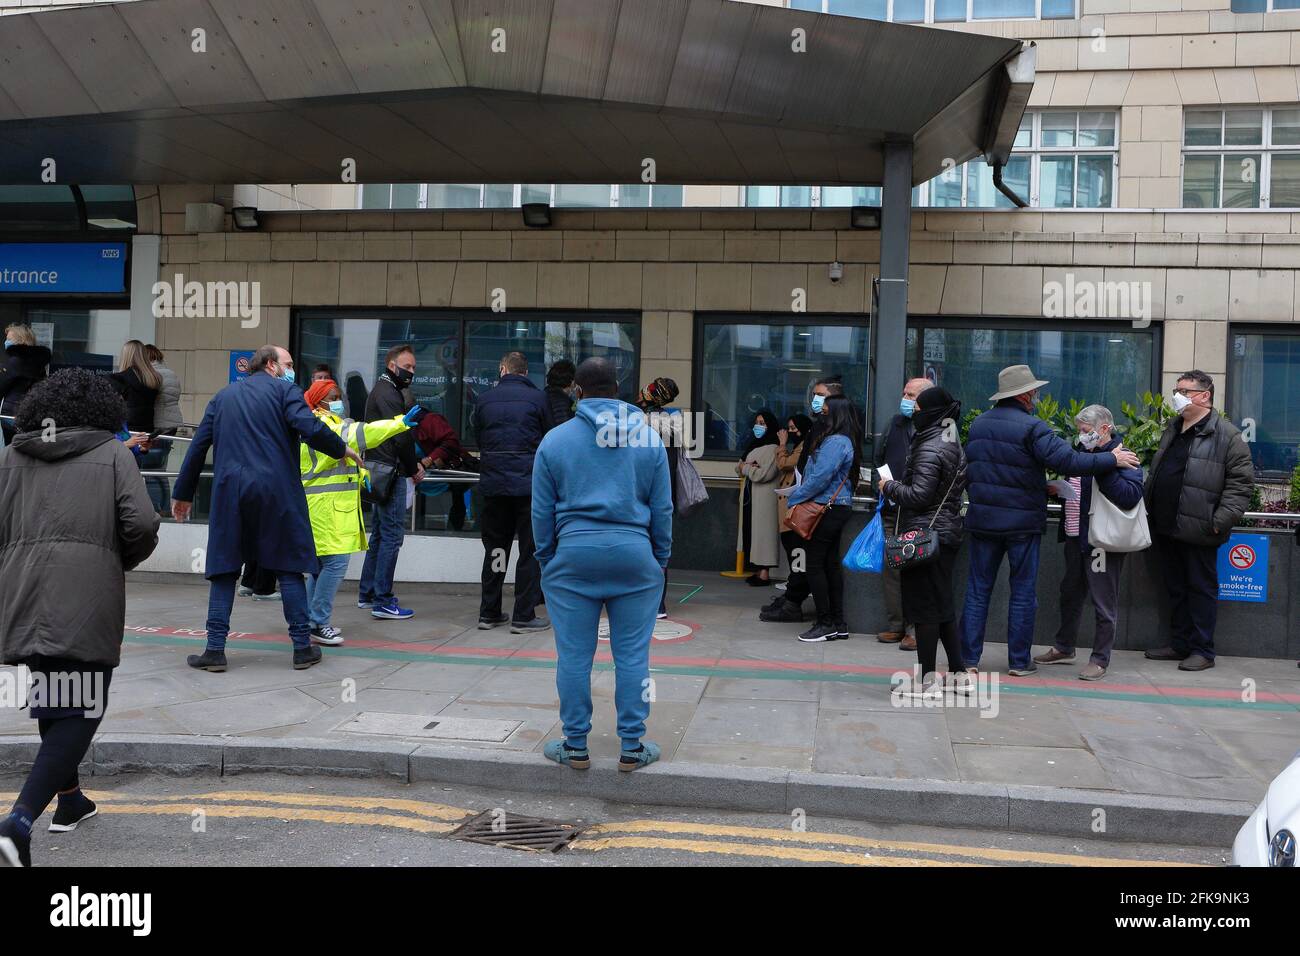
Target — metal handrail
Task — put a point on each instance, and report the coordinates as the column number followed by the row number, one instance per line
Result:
column 451, row 476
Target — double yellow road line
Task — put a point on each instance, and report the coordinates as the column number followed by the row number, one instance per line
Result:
column 759, row 843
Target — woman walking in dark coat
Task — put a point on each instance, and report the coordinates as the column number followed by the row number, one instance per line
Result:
column 77, row 518
column 931, row 498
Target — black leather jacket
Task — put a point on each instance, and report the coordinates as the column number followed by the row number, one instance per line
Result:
column 932, row 465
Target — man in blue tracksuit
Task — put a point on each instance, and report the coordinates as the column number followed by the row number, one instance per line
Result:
column 1008, row 451
column 602, row 521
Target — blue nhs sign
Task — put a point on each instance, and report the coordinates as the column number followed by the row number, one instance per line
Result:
column 77, row 268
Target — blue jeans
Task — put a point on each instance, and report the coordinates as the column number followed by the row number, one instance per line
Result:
column 156, row 460
column 986, row 554
column 322, row 587
column 386, row 536
column 221, row 600
column 617, row 571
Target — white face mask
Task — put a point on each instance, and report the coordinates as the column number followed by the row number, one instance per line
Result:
column 1180, row 402
column 1089, row 440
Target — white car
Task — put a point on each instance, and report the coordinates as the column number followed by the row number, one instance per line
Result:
column 1269, row 837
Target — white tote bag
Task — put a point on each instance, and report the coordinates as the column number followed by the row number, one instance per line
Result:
column 1114, row 529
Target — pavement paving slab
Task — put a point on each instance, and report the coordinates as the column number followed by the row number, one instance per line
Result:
column 729, row 691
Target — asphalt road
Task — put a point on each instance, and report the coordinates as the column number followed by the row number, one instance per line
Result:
column 276, row 820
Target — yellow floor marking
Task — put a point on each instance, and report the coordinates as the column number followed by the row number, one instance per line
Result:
column 796, row 853
column 790, row 836
column 437, row 811
column 283, row 813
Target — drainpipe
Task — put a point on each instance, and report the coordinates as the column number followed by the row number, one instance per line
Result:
column 1004, row 189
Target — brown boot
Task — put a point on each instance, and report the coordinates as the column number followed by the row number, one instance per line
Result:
column 908, row 643
column 889, row 637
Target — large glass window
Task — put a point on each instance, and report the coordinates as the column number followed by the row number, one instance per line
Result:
column 457, row 353
column 508, row 195
column 1264, row 387
column 80, row 336
column 815, row 196
column 1241, row 158
column 1264, row 6
column 1059, row 160
column 948, row 11
column 744, row 363
column 1093, row 364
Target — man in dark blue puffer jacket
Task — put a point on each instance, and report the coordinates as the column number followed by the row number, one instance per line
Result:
column 510, row 420
column 1007, row 453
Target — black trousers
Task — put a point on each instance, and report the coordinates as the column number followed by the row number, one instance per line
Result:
column 66, row 731
column 825, row 572
column 1192, row 581
column 796, row 585
column 258, row 579
column 505, row 518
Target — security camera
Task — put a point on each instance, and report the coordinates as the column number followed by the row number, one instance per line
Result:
column 836, row 271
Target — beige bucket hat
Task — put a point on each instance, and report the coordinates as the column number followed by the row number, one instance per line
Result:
column 1015, row 380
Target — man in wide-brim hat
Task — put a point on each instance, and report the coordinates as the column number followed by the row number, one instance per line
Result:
column 1008, row 451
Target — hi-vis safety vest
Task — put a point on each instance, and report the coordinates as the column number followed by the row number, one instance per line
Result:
column 333, row 487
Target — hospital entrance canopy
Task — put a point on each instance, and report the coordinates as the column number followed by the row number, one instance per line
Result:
column 497, row 91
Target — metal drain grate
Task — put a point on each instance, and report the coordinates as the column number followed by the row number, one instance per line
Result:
column 498, row 828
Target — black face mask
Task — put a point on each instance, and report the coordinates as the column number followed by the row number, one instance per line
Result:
column 401, row 376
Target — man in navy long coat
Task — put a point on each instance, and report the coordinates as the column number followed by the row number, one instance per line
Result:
column 259, row 510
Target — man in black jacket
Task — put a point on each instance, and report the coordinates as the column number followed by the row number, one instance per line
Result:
column 559, row 390
column 1199, row 487
column 388, row 399
column 509, row 422
column 893, row 452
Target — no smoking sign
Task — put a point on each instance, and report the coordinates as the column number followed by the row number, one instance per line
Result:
column 1243, row 568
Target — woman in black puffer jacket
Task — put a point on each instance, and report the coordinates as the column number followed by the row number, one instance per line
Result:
column 930, row 496
column 24, row 365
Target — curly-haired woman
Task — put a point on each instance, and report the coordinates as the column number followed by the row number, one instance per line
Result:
column 77, row 518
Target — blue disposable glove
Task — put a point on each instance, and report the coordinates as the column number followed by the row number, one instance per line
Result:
column 412, row 417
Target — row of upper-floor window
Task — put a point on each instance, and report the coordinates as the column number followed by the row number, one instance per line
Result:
column 963, row 11
column 1245, row 158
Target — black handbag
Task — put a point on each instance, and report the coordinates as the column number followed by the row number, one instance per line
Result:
column 915, row 547
column 383, row 480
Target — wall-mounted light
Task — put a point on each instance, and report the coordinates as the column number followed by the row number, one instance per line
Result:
column 537, row 215
column 244, row 217
column 865, row 217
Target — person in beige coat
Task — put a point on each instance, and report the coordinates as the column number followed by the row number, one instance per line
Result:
column 759, row 534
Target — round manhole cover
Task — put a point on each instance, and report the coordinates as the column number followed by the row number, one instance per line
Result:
column 665, row 631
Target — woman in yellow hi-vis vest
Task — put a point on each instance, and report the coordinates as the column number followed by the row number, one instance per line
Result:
column 333, row 490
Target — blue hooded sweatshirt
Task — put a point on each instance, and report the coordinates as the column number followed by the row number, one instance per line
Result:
column 603, row 470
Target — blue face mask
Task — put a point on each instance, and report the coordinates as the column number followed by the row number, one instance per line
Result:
column 818, row 403
column 287, row 375
column 760, row 431
column 336, row 407
column 906, row 407
column 8, row 344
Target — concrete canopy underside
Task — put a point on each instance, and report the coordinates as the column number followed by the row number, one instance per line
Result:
column 584, row 92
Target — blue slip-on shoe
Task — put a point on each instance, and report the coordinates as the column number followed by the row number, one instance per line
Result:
column 561, row 752
column 636, row 759
column 391, row 612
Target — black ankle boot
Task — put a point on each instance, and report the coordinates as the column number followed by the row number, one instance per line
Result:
column 214, row 661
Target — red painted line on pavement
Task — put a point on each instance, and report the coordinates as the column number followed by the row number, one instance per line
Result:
column 659, row 660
